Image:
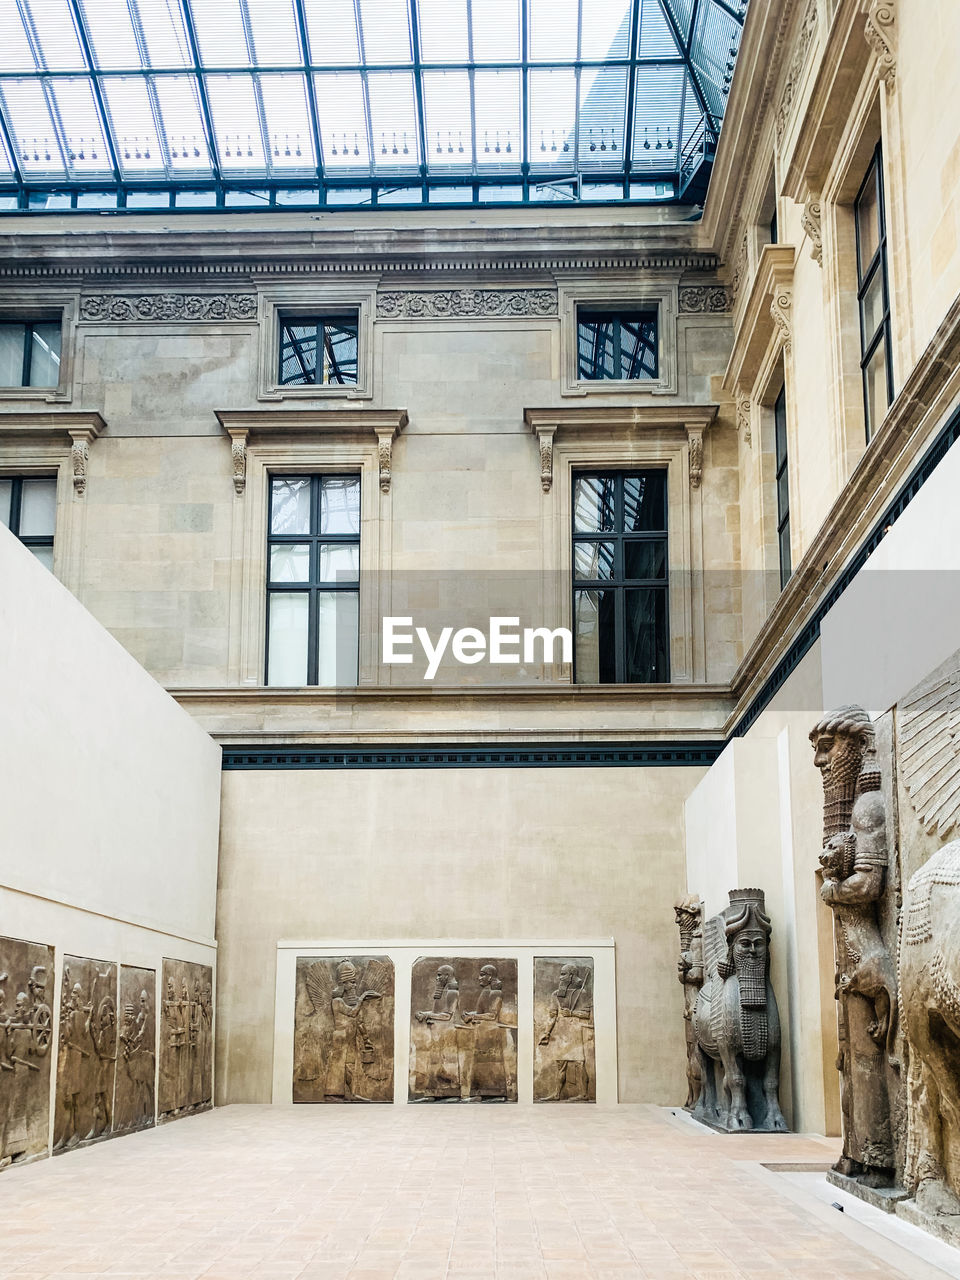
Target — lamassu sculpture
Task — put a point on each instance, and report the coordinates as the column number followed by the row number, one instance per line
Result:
column 736, row 1022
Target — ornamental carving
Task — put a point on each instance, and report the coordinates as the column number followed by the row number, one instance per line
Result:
column 689, row 916
column 705, row 298
column 133, row 1106
column 780, row 312
column 87, row 1052
column 810, row 221
column 109, row 308
column 743, row 415
column 79, row 457
column 466, row 303
column 695, row 438
column 26, row 1040
column 739, row 269
column 343, row 1029
column 804, row 39
column 238, row 450
column 879, row 32
column 928, row 735
column 186, row 1039
column 564, row 1054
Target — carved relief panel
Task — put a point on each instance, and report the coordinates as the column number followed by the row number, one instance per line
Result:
column 343, row 1029
column 133, row 1106
column 463, row 1030
column 186, row 1038
column 87, row 1052
column 26, row 1033
column 564, row 1063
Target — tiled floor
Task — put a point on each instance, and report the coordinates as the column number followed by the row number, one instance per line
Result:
column 321, row 1193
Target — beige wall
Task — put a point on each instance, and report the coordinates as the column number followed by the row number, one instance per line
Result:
column 469, row 853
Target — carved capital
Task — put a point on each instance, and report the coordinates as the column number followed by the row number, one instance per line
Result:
column 879, row 32
column 81, row 439
column 781, row 310
column 744, row 409
column 810, row 220
column 695, row 441
column 238, row 448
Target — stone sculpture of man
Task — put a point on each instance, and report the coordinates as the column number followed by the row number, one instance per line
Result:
column 689, row 914
column 344, row 1076
column 443, row 1073
column 571, row 1013
column 489, row 1076
column 853, row 864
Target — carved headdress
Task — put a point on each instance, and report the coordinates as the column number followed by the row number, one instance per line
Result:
column 846, row 773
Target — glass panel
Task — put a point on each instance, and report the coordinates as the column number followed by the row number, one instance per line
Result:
column 339, row 337
column 38, row 508
column 871, row 307
column 875, row 387
column 593, row 561
column 786, row 567
column 34, row 136
column 780, row 428
column 6, row 496
column 287, row 638
column 75, row 105
column 179, row 103
column 647, row 559
column 11, row 355
column 338, row 637
column 783, row 495
column 393, row 121
column 44, row 555
column 53, row 28
column 593, row 503
column 603, row 111
column 386, row 30
column 45, row 354
column 605, row 28
column 290, row 505
column 443, row 30
column 496, row 30
column 340, row 504
column 496, row 96
column 553, row 107
column 236, row 123
column 645, row 502
column 290, row 562
column 339, row 562
column 298, row 353
column 868, row 221
column 343, row 121
column 553, row 30
column 638, row 346
column 596, row 346
column 285, row 111
column 595, row 632
column 446, row 103
column 332, row 32
column 645, row 620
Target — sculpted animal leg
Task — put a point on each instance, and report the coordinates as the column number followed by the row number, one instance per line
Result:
column 771, row 1070
column 735, row 1086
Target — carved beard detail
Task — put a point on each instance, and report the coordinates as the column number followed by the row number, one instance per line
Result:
column 754, row 1029
column 840, row 789
column 687, row 922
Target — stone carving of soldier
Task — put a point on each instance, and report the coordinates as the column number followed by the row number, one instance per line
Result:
column 102, row 1029
column 351, row 1044
column 74, row 1048
column 176, row 1024
column 571, row 1017
column 138, row 1059
column 489, row 1076
column 443, row 1064
column 689, row 917
column 853, row 864
column 20, row 1051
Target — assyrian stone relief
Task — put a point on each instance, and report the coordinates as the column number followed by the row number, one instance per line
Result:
column 26, row 1048
column 186, row 1038
column 736, row 1021
column 689, row 916
column 463, row 1034
column 87, row 1052
column 564, row 1064
column 853, row 866
column 343, row 1029
column 133, row 1106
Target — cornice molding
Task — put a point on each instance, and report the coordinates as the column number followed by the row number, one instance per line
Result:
column 72, row 428
column 766, row 316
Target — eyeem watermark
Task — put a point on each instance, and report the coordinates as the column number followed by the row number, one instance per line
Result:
column 503, row 644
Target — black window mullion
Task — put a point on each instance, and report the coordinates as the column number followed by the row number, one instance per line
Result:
column 16, row 493
column 27, row 355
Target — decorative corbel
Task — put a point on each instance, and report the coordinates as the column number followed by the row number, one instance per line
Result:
column 238, row 448
column 743, row 415
column 81, row 439
column 879, row 32
column 545, row 437
column 695, row 441
column 385, row 437
column 810, row 221
column 781, row 307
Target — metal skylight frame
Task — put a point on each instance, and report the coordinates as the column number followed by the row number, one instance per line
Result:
column 519, row 129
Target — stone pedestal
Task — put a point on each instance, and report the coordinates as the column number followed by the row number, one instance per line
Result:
column 885, row 1198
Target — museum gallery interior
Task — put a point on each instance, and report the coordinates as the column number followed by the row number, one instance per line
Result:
column 479, row 607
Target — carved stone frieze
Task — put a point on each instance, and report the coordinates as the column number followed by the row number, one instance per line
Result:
column 110, row 308
column 853, row 866
column 811, row 222
column 564, row 1055
column 463, row 1030
column 879, row 30
column 781, row 309
column 343, row 1029
column 87, row 1052
column 709, row 298
column 808, row 27
column 186, row 1039
column 133, row 1106
column 689, row 916
column 736, row 1022
column 26, row 1044
column 744, row 412
column 465, row 303
column 739, row 268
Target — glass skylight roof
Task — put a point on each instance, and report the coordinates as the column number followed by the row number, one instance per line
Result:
column 360, row 101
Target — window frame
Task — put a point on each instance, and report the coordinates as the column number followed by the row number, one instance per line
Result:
column 279, row 304
column 866, row 276
column 658, row 293
column 616, row 316
column 320, row 322
column 619, row 583
column 313, row 587
column 30, row 540
column 43, row 306
column 781, row 456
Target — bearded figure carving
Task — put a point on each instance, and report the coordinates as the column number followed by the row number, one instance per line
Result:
column 853, row 866
column 689, row 914
column 736, row 1022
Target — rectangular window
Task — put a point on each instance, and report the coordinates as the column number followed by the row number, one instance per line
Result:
column 313, row 580
column 318, row 350
column 783, row 487
column 620, row 606
column 876, row 357
column 28, row 508
column 617, row 345
column 29, row 353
